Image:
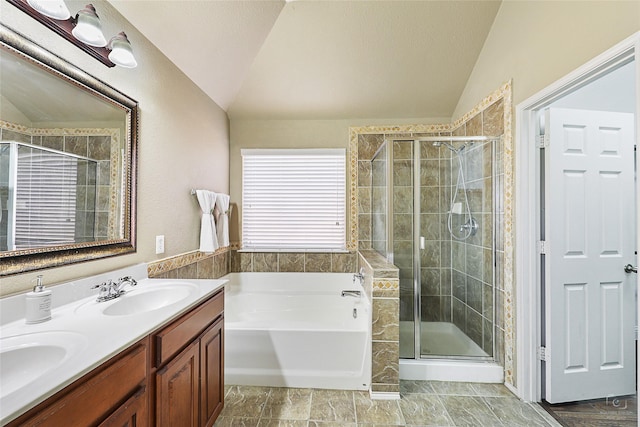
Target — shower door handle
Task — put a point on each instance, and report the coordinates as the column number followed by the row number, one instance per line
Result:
column 630, row 269
column 423, row 244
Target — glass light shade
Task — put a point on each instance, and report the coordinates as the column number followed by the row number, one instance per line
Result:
column 88, row 29
column 55, row 9
column 121, row 52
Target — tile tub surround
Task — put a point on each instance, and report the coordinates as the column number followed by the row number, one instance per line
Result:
column 295, row 262
column 192, row 265
column 424, row 403
column 381, row 278
column 493, row 115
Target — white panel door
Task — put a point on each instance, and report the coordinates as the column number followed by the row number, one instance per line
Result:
column 590, row 233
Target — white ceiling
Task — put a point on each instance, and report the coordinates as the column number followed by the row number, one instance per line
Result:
column 311, row 59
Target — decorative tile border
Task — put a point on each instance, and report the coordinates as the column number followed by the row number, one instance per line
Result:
column 509, row 238
column 165, row 265
column 385, row 284
column 352, row 241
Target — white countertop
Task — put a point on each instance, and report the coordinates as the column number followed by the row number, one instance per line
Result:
column 101, row 336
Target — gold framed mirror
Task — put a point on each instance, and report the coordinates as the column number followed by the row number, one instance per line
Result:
column 68, row 158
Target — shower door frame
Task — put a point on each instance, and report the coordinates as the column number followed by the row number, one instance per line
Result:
column 417, row 265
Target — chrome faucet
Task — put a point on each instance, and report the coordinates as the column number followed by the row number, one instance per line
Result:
column 109, row 290
column 355, row 294
column 359, row 276
column 122, row 282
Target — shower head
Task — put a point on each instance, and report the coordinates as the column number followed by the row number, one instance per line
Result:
column 446, row 144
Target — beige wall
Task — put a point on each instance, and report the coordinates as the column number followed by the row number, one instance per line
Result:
column 183, row 137
column 289, row 134
column 537, row 42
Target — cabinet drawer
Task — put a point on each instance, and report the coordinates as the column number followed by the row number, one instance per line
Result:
column 177, row 335
column 133, row 413
column 92, row 397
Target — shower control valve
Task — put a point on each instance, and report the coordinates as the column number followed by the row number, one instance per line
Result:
column 359, row 276
column 469, row 228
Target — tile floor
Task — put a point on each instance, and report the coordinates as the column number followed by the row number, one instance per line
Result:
column 423, row 403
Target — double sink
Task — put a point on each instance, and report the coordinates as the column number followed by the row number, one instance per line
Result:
column 84, row 333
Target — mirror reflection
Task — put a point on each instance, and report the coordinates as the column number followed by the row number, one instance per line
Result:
column 66, row 160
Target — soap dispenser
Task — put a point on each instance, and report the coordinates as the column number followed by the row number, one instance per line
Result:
column 38, row 303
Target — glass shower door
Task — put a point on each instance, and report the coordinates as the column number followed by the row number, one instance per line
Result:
column 457, row 292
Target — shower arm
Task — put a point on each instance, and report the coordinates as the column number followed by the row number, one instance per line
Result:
column 478, row 138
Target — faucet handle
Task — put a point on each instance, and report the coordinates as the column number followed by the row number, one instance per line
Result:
column 101, row 286
column 103, row 289
column 128, row 279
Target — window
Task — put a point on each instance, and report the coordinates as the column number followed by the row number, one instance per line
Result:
column 293, row 199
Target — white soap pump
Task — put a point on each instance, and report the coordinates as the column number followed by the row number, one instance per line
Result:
column 38, row 303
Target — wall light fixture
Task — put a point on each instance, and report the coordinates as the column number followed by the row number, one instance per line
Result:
column 88, row 28
column 84, row 30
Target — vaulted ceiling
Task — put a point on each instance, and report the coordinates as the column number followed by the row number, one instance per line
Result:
column 308, row 59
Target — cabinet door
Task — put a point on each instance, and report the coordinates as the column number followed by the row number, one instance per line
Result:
column 133, row 413
column 212, row 373
column 94, row 396
column 177, row 390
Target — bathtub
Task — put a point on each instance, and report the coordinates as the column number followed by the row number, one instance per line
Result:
column 296, row 330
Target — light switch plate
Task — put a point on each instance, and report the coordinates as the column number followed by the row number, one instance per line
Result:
column 159, row 244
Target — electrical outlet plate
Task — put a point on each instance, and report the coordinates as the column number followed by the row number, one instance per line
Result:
column 159, row 244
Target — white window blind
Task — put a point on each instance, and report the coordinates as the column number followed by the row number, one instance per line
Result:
column 293, row 199
column 45, row 199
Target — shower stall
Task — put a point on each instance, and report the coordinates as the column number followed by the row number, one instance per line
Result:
column 433, row 216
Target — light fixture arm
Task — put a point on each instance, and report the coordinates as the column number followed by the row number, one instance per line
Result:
column 64, row 28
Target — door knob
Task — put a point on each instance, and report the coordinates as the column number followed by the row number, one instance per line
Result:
column 630, row 269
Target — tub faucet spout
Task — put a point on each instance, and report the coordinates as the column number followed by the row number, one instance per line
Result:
column 355, row 294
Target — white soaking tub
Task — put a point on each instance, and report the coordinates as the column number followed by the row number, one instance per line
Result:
column 296, row 330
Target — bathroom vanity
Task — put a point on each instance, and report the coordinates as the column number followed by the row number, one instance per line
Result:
column 152, row 357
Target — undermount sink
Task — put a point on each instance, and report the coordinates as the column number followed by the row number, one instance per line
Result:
column 26, row 358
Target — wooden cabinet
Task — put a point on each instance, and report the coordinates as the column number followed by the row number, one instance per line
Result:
column 133, row 413
column 212, row 373
column 189, row 357
column 99, row 395
column 178, row 390
column 173, row 377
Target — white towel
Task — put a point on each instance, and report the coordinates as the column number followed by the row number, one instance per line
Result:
column 222, row 202
column 208, row 240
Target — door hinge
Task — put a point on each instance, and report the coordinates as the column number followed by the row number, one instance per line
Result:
column 542, row 246
column 543, row 354
column 543, row 141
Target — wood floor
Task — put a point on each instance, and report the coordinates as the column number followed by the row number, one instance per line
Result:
column 620, row 412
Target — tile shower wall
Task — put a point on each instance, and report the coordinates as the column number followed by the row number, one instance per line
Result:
column 469, row 304
column 381, row 279
column 472, row 261
column 402, row 221
column 435, row 268
column 376, row 202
